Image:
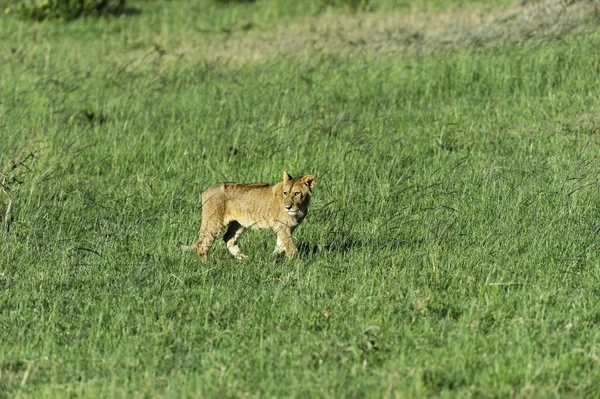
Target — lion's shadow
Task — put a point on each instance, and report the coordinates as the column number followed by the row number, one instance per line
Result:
column 342, row 246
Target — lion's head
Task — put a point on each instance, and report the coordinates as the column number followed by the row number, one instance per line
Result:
column 296, row 194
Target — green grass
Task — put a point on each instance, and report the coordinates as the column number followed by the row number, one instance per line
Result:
column 452, row 247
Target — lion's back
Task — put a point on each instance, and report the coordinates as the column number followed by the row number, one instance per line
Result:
column 251, row 205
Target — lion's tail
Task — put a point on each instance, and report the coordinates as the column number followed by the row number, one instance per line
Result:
column 184, row 247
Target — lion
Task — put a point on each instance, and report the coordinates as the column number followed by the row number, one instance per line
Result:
column 280, row 207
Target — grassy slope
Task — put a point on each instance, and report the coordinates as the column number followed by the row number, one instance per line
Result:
column 452, row 247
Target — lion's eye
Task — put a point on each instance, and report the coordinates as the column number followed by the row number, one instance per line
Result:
column 285, row 193
column 296, row 193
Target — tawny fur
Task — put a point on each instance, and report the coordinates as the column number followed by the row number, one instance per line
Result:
column 280, row 207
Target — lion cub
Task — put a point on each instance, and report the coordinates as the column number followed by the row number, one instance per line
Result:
column 280, row 207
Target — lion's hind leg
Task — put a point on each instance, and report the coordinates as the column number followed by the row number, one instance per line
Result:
column 208, row 234
column 233, row 234
column 211, row 227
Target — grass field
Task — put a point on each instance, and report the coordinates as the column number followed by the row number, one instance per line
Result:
column 453, row 244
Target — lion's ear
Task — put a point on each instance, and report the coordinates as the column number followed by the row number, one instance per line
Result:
column 310, row 181
column 286, row 177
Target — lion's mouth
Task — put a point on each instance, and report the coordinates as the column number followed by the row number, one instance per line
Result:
column 292, row 213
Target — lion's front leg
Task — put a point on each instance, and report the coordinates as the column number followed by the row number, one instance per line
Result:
column 285, row 243
column 278, row 247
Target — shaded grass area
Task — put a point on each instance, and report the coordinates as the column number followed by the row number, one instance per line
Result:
column 452, row 246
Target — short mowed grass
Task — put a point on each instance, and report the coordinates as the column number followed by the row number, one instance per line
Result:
column 452, row 247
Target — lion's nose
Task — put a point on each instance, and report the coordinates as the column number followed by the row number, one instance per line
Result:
column 288, row 207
